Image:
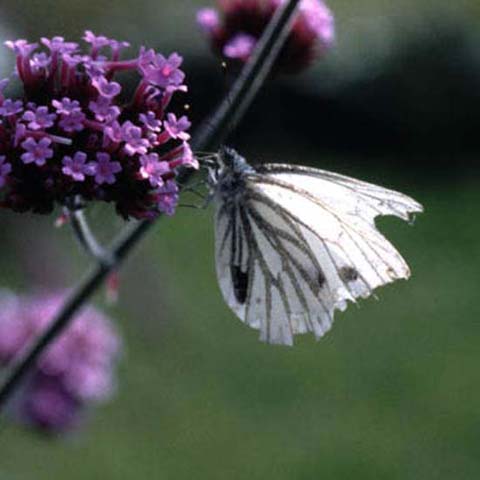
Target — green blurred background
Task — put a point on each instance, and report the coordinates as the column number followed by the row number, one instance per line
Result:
column 392, row 392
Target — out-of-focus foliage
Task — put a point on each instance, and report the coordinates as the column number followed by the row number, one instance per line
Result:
column 392, row 392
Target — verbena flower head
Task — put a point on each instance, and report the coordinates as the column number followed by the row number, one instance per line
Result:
column 76, row 133
column 75, row 372
column 236, row 25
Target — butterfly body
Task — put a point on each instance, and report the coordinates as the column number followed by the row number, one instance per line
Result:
column 229, row 179
column 293, row 244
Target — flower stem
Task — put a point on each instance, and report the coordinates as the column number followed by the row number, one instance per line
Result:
column 87, row 239
column 210, row 136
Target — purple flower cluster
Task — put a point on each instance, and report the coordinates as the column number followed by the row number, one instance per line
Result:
column 235, row 27
column 75, row 134
column 76, row 370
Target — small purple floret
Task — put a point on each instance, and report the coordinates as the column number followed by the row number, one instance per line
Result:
column 11, row 107
column 167, row 197
column 188, row 158
column 105, row 169
column 3, row 84
column 21, row 47
column 5, row 169
column 105, row 88
column 114, row 132
column 77, row 167
column 39, row 119
column 320, row 20
column 66, row 106
column 153, row 169
column 37, row 152
column 48, row 406
column 134, row 142
column 73, row 122
column 240, row 46
column 208, row 19
column 103, row 109
column 97, row 41
column 151, row 121
column 161, row 71
column 177, row 127
column 40, row 61
column 58, row 44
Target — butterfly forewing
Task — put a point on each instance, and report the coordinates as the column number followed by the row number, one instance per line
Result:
column 347, row 194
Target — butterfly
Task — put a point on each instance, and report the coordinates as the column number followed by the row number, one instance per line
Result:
column 293, row 244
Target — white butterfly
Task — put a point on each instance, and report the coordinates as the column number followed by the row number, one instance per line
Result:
column 293, row 243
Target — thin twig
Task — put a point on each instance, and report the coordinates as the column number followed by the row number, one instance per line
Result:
column 228, row 113
column 87, row 239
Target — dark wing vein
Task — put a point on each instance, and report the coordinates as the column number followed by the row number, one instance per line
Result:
column 269, row 279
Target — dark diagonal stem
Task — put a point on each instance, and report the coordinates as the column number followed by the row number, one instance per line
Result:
column 210, row 136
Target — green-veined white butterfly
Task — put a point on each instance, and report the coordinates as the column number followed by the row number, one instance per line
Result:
column 293, row 244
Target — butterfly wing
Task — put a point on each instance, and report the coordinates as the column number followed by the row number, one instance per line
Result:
column 350, row 196
column 300, row 244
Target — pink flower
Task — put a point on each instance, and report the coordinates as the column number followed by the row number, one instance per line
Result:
column 72, row 122
column 319, row 19
column 11, row 107
column 37, row 152
column 134, row 141
column 161, row 71
column 167, row 197
column 5, row 169
column 208, row 19
column 182, row 156
column 153, row 170
column 103, row 109
column 40, row 61
column 58, row 44
column 234, row 29
column 104, row 169
column 21, row 47
column 69, row 111
column 66, row 106
column 151, row 121
column 97, row 41
column 75, row 372
column 105, row 88
column 39, row 119
column 77, row 167
column 240, row 46
column 177, row 127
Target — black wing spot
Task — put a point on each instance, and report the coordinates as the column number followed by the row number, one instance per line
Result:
column 321, row 279
column 240, row 283
column 348, row 274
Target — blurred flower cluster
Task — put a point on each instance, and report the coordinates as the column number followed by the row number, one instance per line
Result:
column 235, row 27
column 76, row 133
column 76, row 371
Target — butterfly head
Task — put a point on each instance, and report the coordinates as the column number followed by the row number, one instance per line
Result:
column 226, row 177
column 230, row 160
